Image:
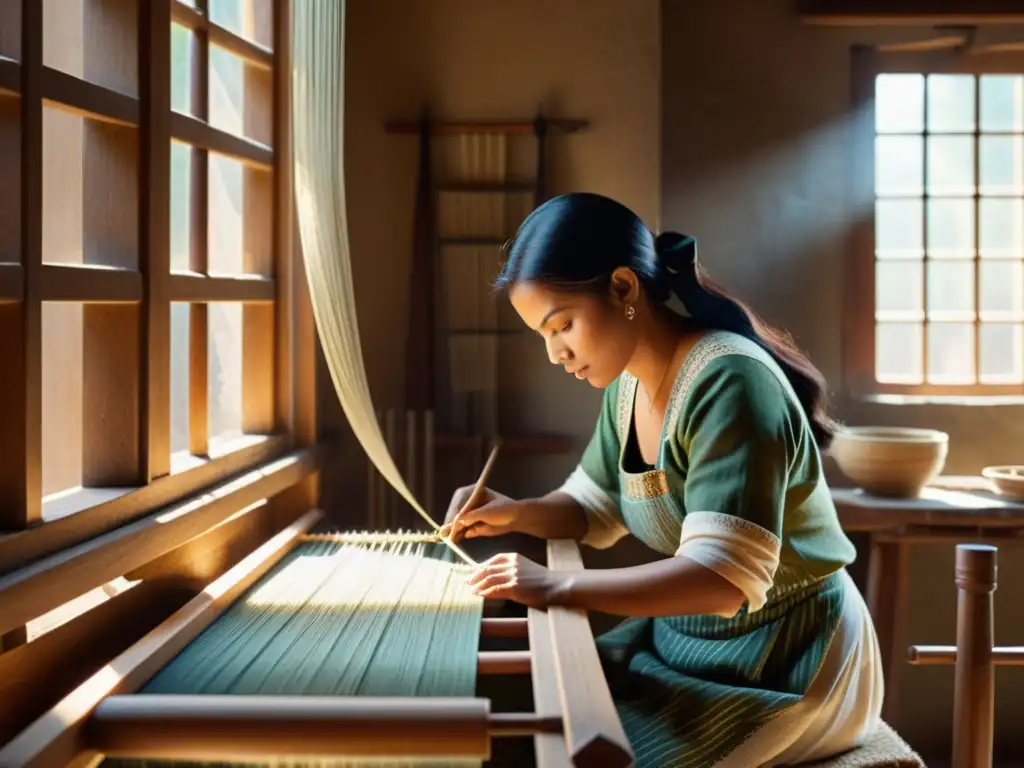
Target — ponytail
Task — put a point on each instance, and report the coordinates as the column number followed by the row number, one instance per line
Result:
column 693, row 294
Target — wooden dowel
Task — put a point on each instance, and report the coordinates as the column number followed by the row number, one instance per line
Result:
column 202, row 727
column 922, row 655
column 522, row 724
column 504, row 627
column 504, row 663
column 974, row 687
column 411, row 479
column 371, row 495
column 380, row 498
column 392, row 496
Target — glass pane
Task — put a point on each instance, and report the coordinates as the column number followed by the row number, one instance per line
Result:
column 227, row 91
column 241, row 97
column 1002, row 103
column 951, row 353
column 899, row 229
column 182, row 42
column 1001, row 165
column 899, row 165
column 1002, row 290
column 899, row 290
column 951, row 165
column 951, row 290
column 899, row 104
column 951, row 103
column 951, row 229
column 181, row 205
column 1002, row 353
column 226, row 218
column 1001, row 228
column 179, row 376
column 252, row 19
column 899, row 351
column 225, row 368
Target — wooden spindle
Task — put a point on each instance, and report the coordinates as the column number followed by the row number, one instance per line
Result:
column 411, row 480
column 974, row 700
column 371, row 495
column 428, row 462
column 392, row 496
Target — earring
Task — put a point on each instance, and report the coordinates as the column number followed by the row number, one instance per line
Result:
column 630, row 312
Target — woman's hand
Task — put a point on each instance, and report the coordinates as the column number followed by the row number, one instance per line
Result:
column 494, row 515
column 513, row 577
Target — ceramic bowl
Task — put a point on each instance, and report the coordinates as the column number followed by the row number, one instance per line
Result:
column 1008, row 479
column 894, row 462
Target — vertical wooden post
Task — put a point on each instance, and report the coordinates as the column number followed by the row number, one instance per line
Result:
column 199, row 239
column 21, row 471
column 286, row 273
column 888, row 588
column 428, row 462
column 974, row 698
column 259, row 324
column 420, row 335
column 154, row 234
column 540, row 188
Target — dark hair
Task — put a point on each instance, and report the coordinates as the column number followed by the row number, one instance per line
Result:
column 576, row 241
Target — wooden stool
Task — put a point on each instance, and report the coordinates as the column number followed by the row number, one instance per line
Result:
column 885, row 749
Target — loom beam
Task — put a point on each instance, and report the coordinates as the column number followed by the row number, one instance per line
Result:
column 202, row 727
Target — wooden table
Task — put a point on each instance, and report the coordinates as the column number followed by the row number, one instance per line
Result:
column 953, row 509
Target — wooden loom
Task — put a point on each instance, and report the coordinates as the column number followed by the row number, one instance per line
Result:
column 574, row 721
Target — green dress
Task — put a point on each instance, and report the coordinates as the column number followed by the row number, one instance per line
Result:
column 736, row 450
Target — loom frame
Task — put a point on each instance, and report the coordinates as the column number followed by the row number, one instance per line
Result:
column 574, row 722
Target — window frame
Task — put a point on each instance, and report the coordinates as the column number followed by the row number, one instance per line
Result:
column 858, row 332
column 285, row 386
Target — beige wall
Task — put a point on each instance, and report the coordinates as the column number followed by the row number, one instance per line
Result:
column 755, row 165
column 593, row 59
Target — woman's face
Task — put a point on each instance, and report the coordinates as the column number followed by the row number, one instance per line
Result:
column 590, row 336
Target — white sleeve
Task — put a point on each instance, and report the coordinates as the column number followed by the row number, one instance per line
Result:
column 604, row 521
column 741, row 552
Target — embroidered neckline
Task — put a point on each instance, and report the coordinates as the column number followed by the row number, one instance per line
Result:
column 707, row 348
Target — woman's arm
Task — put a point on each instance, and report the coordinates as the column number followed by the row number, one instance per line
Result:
column 676, row 586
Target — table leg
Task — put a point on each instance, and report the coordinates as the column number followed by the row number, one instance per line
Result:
column 887, row 601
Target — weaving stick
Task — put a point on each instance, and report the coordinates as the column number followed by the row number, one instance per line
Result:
column 479, row 488
column 481, row 483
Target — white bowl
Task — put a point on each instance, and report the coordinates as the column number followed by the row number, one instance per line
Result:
column 895, row 462
column 1008, row 479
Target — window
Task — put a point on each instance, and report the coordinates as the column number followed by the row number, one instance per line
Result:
column 945, row 236
column 146, row 271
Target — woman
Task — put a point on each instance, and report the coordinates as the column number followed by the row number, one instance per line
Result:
column 748, row 644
